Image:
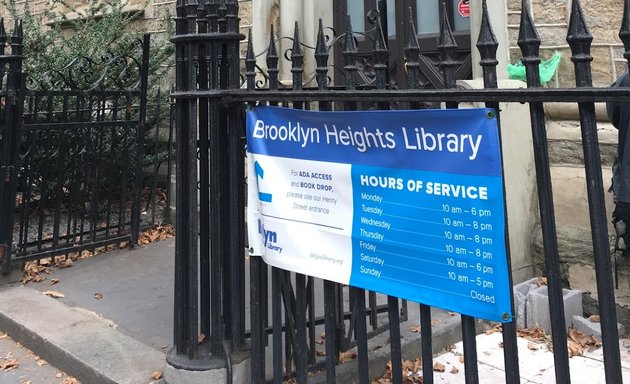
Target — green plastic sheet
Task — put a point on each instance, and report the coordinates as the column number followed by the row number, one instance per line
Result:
column 547, row 69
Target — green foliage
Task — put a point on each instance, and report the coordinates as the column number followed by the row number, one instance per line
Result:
column 92, row 47
column 100, row 31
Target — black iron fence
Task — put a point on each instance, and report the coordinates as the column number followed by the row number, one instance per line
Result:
column 210, row 294
column 83, row 148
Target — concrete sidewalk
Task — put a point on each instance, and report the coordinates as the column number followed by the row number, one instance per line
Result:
column 115, row 321
column 115, row 325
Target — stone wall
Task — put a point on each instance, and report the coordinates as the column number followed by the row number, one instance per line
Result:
column 552, row 17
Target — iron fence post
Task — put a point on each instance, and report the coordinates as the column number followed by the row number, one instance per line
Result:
column 11, row 131
column 580, row 39
column 529, row 42
column 142, row 118
column 185, row 353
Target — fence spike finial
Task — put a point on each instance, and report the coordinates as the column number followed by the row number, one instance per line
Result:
column 381, row 54
column 580, row 39
column 487, row 43
column 379, row 39
column 349, row 42
column 412, row 50
column 296, row 50
column 448, row 49
column 250, row 61
column 446, row 39
column 321, row 57
column 578, row 34
column 412, row 45
column 249, row 55
column 350, row 53
column 2, row 31
column 297, row 58
column 272, row 60
column 320, row 47
column 528, row 39
column 271, row 51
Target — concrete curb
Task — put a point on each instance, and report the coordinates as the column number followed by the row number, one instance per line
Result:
column 76, row 341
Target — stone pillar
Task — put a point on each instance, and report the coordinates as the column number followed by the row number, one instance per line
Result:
column 519, row 178
column 498, row 19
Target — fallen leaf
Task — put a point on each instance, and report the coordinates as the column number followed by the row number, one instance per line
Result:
column 9, row 365
column 500, row 344
column 98, row 295
column 59, row 375
column 575, row 349
column 582, row 339
column 541, row 281
column 532, row 347
column 435, row 322
column 319, row 352
column 495, row 329
column 438, row 367
column 157, row 375
column 3, row 335
column 54, row 281
column 414, row 328
column 65, row 264
column 452, row 314
column 533, row 334
column 347, row 356
column 454, row 370
column 26, row 382
column 461, row 359
column 594, row 318
column 70, row 380
column 201, row 338
column 41, row 362
column 487, row 353
column 55, row 294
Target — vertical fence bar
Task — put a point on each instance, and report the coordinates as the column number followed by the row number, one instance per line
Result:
column 141, row 128
column 276, row 273
column 381, row 69
column 203, row 157
column 301, row 349
column 448, row 47
column 235, row 198
column 258, row 334
column 529, row 42
column 579, row 39
column 487, row 45
column 185, row 350
column 330, row 318
column 412, row 50
column 10, row 145
column 350, row 54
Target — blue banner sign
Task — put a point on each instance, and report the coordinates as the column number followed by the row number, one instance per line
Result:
column 407, row 203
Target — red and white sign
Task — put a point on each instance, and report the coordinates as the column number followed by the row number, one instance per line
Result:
column 464, row 8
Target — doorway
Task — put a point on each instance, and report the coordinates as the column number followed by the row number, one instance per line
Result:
column 426, row 15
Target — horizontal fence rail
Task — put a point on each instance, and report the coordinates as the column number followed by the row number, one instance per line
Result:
column 213, row 87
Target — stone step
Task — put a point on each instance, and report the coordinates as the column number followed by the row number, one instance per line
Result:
column 564, row 138
column 570, row 196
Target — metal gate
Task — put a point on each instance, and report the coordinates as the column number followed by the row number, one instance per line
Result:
column 73, row 154
column 210, row 280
